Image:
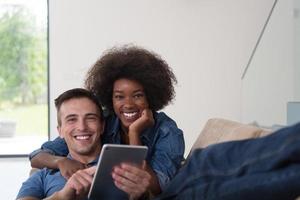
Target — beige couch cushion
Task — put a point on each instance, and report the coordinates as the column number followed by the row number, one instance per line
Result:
column 218, row 130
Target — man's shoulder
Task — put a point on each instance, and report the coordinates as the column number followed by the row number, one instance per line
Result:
column 45, row 173
column 42, row 183
column 52, row 180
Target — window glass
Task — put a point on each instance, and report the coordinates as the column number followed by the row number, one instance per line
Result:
column 23, row 75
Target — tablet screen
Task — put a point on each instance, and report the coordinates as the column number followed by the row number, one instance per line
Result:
column 111, row 155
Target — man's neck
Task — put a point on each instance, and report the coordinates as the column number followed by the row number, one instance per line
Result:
column 88, row 158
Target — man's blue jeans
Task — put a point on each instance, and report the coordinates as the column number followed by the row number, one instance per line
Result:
column 253, row 169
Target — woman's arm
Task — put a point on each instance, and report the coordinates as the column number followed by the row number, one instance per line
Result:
column 136, row 128
column 57, row 147
column 53, row 155
column 166, row 142
column 66, row 166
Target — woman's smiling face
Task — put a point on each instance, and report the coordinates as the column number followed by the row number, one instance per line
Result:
column 129, row 101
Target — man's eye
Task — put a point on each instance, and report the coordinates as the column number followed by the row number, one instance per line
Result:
column 71, row 120
column 92, row 118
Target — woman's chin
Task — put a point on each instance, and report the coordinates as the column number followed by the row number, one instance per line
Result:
column 125, row 125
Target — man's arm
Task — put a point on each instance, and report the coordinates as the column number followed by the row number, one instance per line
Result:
column 77, row 187
column 55, row 196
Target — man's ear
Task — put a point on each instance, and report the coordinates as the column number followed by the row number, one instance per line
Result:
column 61, row 135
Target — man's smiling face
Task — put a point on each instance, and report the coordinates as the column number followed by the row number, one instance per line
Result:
column 80, row 125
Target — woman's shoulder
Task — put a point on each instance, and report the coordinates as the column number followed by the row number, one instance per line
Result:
column 163, row 118
column 165, row 123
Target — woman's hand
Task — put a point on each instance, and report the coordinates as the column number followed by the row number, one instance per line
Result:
column 68, row 167
column 146, row 120
column 133, row 180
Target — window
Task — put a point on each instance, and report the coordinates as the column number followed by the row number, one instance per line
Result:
column 23, row 76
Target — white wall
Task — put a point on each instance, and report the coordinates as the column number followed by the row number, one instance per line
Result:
column 13, row 172
column 270, row 81
column 207, row 43
column 297, row 49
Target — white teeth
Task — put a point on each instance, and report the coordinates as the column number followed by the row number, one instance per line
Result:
column 82, row 137
column 130, row 115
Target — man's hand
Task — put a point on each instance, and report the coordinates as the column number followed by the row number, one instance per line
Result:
column 133, row 180
column 77, row 187
column 146, row 120
column 68, row 167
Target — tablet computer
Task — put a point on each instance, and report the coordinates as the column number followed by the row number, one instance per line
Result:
column 111, row 155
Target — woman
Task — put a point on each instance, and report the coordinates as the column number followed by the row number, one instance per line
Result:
column 132, row 84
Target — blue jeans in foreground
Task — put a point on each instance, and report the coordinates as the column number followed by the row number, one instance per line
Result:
column 263, row 168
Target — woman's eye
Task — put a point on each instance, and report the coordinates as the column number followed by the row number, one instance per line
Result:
column 138, row 95
column 118, row 96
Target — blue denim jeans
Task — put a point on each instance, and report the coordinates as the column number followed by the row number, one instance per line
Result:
column 253, row 169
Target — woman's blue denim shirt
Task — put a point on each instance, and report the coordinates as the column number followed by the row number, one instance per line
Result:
column 164, row 140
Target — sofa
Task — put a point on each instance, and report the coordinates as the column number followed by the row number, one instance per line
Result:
column 218, row 130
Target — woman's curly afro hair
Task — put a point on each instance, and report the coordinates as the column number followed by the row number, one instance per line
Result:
column 133, row 63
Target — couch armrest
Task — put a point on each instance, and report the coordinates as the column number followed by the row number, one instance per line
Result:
column 218, row 130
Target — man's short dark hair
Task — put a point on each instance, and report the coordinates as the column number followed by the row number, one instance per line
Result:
column 76, row 93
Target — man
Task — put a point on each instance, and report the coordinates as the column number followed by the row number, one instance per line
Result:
column 80, row 123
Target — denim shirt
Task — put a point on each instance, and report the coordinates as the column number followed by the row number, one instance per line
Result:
column 164, row 140
column 44, row 183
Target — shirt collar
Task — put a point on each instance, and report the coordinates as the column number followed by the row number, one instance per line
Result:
column 94, row 162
